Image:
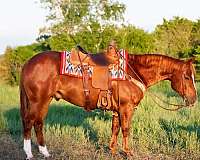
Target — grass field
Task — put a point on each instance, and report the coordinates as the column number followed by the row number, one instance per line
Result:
column 72, row 133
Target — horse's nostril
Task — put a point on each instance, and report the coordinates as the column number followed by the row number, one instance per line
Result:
column 187, row 102
column 191, row 105
column 191, row 102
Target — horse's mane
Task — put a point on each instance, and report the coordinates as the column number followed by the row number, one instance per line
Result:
column 148, row 60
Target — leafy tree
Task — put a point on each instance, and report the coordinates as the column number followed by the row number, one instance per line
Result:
column 195, row 35
column 195, row 42
column 97, row 39
column 43, row 42
column 5, row 72
column 135, row 40
column 132, row 39
column 61, row 42
column 93, row 41
column 173, row 36
column 16, row 57
column 11, row 65
column 71, row 16
column 86, row 20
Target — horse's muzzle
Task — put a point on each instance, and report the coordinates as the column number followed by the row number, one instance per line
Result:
column 190, row 102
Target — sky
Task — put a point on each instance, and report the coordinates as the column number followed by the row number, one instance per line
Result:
column 20, row 20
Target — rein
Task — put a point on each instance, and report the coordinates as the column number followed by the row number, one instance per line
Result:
column 179, row 106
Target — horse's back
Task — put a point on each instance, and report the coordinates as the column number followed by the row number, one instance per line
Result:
column 43, row 57
column 41, row 61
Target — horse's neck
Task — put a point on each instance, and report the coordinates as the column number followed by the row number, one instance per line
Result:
column 153, row 68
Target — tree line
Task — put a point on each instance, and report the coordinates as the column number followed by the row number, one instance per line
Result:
column 93, row 23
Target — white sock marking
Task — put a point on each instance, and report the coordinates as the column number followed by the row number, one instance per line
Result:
column 27, row 148
column 44, row 151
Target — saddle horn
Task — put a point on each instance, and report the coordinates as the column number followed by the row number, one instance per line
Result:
column 81, row 49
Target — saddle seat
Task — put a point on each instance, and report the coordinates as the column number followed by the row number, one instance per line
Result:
column 101, row 59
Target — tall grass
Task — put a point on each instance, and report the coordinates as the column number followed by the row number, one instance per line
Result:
column 72, row 133
column 9, row 96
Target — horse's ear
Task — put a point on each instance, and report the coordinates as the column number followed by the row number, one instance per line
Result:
column 191, row 60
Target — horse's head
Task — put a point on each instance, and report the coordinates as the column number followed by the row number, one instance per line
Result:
column 183, row 82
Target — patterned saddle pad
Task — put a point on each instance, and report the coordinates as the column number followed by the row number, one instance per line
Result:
column 67, row 67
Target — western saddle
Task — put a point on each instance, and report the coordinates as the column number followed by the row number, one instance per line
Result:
column 101, row 78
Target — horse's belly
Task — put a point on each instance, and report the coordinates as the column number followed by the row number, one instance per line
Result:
column 72, row 91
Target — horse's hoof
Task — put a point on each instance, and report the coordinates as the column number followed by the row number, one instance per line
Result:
column 49, row 158
column 127, row 153
column 43, row 150
column 47, row 155
column 113, row 150
column 29, row 158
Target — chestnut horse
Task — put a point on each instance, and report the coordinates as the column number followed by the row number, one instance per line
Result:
column 41, row 82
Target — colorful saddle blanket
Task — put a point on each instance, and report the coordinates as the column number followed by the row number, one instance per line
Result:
column 67, row 67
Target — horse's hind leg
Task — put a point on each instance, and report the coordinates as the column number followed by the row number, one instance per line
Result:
column 27, row 137
column 38, row 127
column 34, row 116
column 28, row 119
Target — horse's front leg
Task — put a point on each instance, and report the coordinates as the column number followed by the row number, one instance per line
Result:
column 126, row 113
column 115, row 132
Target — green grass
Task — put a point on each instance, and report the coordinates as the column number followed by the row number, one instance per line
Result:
column 72, row 133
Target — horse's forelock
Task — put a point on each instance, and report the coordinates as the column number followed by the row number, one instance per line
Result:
column 192, row 68
column 189, row 66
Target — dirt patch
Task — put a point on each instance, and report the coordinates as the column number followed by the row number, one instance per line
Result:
column 66, row 148
column 9, row 149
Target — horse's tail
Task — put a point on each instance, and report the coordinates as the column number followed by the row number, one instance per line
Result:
column 24, row 102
